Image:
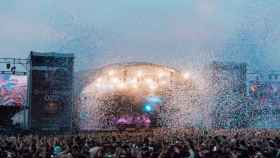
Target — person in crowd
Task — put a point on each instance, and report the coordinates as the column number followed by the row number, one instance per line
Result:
column 156, row 143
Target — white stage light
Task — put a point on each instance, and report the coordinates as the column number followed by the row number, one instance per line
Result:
column 111, row 72
column 121, row 85
column 139, row 73
column 115, row 80
column 99, row 80
column 186, row 75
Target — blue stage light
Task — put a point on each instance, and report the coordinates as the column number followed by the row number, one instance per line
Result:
column 148, row 108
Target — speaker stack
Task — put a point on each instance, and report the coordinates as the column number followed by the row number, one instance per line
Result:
column 50, row 91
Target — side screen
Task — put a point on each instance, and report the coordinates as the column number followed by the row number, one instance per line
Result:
column 13, row 90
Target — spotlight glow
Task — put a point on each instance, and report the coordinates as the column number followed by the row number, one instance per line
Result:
column 186, row 75
column 115, row 80
column 99, row 80
column 153, row 86
column 111, row 72
column 161, row 74
column 132, row 81
column 139, row 73
column 121, row 85
column 148, row 108
column 135, row 86
column 163, row 82
column 149, row 81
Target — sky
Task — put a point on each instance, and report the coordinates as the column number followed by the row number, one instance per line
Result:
column 179, row 33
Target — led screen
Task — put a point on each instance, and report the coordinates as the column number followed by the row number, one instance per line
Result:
column 13, row 90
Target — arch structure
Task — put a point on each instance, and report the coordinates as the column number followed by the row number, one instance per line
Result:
column 130, row 94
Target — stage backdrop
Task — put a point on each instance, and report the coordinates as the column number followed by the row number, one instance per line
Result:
column 51, row 91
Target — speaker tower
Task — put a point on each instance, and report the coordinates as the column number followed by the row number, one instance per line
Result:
column 50, row 91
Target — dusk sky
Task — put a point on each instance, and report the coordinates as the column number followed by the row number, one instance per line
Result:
column 179, row 33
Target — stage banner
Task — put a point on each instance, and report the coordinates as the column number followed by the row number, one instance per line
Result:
column 51, row 91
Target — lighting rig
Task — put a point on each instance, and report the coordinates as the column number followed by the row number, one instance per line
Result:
column 14, row 66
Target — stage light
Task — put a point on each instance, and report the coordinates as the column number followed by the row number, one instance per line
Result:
column 149, row 81
column 163, row 82
column 13, row 70
column 152, row 86
column 160, row 74
column 186, row 75
column 132, row 81
column 98, row 85
column 139, row 73
column 135, row 86
column 111, row 72
column 121, row 85
column 99, row 80
column 148, row 108
column 147, row 121
column 8, row 66
column 115, row 80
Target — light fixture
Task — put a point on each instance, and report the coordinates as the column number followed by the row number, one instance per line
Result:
column 121, row 85
column 111, row 72
column 99, row 80
column 8, row 66
column 115, row 80
column 13, row 70
column 148, row 108
column 186, row 75
column 139, row 73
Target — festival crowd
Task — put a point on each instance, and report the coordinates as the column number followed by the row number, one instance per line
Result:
column 149, row 143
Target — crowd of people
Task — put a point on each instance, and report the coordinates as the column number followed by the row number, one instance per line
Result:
column 149, row 143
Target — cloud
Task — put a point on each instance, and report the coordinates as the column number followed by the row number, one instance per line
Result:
column 178, row 33
column 21, row 36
